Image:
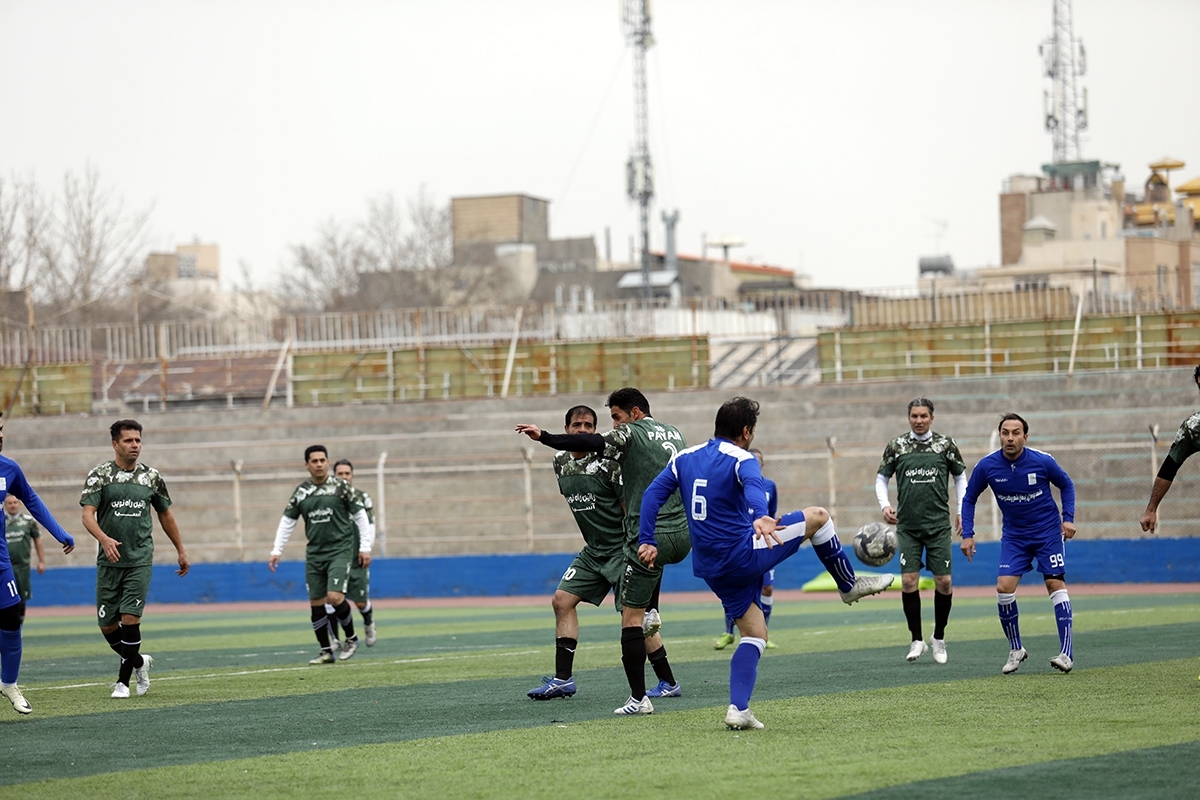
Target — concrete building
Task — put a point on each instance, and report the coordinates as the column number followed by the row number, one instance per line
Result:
column 1076, row 226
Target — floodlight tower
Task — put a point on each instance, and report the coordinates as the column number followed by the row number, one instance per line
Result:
column 1065, row 62
column 639, row 176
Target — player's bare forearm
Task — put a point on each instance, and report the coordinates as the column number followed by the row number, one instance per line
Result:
column 41, row 554
column 171, row 529
column 1149, row 519
column 109, row 545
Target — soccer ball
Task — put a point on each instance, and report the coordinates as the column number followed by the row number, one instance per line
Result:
column 875, row 544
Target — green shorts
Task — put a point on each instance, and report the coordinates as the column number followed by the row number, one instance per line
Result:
column 120, row 590
column 24, row 588
column 358, row 589
column 327, row 575
column 637, row 586
column 591, row 577
column 936, row 548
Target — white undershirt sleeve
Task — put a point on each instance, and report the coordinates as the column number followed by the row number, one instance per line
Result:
column 366, row 532
column 881, row 491
column 960, row 488
column 282, row 534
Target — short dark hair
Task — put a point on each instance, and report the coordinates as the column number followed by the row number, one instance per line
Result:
column 920, row 401
column 314, row 448
column 341, row 462
column 123, row 425
column 1196, row 375
column 627, row 399
column 574, row 411
column 734, row 416
column 1011, row 416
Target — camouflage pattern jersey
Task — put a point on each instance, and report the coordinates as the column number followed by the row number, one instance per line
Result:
column 1187, row 439
column 922, row 469
column 328, row 510
column 123, row 500
column 643, row 448
column 592, row 487
column 19, row 532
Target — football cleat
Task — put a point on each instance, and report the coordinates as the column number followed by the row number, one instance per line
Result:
column 651, row 622
column 552, row 688
column 1061, row 662
column 324, row 657
column 19, row 703
column 632, row 707
column 865, row 585
column 741, row 720
column 939, row 650
column 120, row 690
column 723, row 641
column 771, row 645
column 370, row 630
column 335, row 644
column 348, row 649
column 142, row 674
column 1015, row 657
column 917, row 650
column 665, row 689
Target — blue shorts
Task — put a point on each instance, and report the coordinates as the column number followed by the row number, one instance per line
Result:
column 1017, row 555
column 738, row 591
column 9, row 595
column 769, row 578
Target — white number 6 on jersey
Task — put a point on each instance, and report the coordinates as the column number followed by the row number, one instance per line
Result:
column 699, row 509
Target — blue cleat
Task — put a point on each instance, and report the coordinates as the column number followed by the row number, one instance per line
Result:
column 665, row 689
column 552, row 688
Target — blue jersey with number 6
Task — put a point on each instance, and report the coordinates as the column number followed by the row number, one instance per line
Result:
column 719, row 483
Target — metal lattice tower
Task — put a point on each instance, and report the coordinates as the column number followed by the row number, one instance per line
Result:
column 635, row 20
column 1066, row 104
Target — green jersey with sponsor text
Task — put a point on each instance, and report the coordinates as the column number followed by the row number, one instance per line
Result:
column 19, row 532
column 643, row 448
column 592, row 487
column 364, row 500
column 922, row 469
column 328, row 510
column 123, row 500
column 1187, row 439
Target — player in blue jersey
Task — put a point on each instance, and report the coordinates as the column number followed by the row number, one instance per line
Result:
column 1033, row 530
column 768, row 584
column 12, row 607
column 735, row 541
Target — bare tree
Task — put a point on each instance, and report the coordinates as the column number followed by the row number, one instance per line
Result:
column 324, row 274
column 10, row 206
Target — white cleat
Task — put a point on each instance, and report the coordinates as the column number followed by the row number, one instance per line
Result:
column 348, row 649
column 632, row 707
column 142, row 674
column 324, row 657
column 19, row 703
column 939, row 650
column 120, row 691
column 1015, row 657
column 1061, row 662
column 651, row 622
column 917, row 650
column 741, row 720
column 866, row 585
column 370, row 641
column 335, row 644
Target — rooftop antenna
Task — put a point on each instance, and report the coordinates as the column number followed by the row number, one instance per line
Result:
column 1065, row 62
column 639, row 176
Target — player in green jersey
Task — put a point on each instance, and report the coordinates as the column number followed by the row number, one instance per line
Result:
column 591, row 485
column 1186, row 444
column 358, row 590
column 23, row 537
column 332, row 517
column 642, row 446
column 117, row 498
column 923, row 461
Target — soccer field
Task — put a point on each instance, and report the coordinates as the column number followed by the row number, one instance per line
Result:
column 438, row 708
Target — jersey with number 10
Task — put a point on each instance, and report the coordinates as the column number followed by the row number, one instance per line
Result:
column 720, row 483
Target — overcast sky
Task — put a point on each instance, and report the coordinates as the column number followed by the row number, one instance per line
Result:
column 829, row 136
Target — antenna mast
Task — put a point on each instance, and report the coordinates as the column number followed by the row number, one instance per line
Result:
column 639, row 176
column 1065, row 62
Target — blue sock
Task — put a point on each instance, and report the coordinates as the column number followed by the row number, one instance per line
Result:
column 1007, row 603
column 743, row 671
column 10, row 656
column 1062, row 615
column 827, row 547
column 729, row 623
column 767, row 600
